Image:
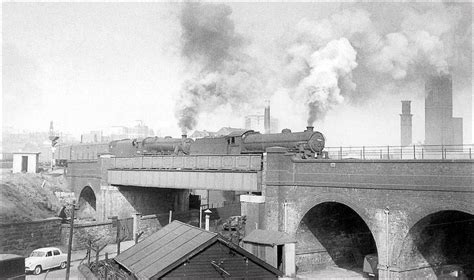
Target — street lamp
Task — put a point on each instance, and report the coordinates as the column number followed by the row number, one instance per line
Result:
column 208, row 213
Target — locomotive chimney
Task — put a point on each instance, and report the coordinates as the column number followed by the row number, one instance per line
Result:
column 266, row 117
column 310, row 128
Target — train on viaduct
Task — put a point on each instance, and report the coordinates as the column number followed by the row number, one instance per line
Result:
column 414, row 215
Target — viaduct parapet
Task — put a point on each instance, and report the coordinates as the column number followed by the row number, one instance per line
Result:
column 413, row 215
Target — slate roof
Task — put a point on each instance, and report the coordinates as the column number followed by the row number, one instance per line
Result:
column 164, row 248
column 169, row 247
column 269, row 237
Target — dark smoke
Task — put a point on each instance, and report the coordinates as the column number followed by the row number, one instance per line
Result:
column 208, row 35
column 188, row 118
column 220, row 71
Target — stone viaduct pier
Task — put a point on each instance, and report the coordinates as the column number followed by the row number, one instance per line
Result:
column 414, row 215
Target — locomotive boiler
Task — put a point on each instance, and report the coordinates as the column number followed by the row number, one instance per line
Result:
column 150, row 146
column 167, row 145
column 307, row 143
column 308, row 140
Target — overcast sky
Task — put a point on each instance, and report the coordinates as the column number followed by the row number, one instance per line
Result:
column 179, row 67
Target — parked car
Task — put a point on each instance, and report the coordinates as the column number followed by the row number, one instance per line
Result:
column 450, row 271
column 45, row 258
column 370, row 265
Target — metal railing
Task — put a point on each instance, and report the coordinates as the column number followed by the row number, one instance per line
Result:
column 442, row 152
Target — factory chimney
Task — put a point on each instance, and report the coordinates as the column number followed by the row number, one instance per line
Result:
column 405, row 124
column 266, row 117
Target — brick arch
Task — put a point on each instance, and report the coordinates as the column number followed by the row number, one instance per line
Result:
column 421, row 212
column 337, row 198
column 318, row 231
column 87, row 202
column 79, row 185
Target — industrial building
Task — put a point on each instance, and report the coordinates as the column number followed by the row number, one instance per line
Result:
column 140, row 130
column 263, row 123
column 440, row 126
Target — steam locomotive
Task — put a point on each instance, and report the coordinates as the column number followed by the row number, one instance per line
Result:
column 307, row 144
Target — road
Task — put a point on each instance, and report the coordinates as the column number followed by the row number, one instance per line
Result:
column 57, row 273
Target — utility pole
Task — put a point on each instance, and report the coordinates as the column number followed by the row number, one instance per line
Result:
column 69, row 248
column 116, row 222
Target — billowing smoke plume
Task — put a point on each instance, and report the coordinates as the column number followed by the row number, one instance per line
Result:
column 348, row 56
column 327, row 66
column 221, row 73
column 326, row 58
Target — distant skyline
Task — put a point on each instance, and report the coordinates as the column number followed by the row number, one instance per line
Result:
column 88, row 66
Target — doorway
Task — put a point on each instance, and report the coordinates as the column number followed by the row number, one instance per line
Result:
column 24, row 163
column 280, row 257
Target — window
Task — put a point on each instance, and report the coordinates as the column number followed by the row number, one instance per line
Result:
column 56, row 252
column 49, row 254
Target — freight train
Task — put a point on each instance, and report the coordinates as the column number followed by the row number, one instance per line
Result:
column 307, row 144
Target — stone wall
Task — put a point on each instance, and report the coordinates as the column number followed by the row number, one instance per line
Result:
column 101, row 233
column 105, row 232
column 22, row 238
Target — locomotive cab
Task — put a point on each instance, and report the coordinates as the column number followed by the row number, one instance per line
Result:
column 235, row 140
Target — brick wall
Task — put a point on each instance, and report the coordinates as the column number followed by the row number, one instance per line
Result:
column 151, row 223
column 412, row 190
column 100, row 232
column 22, row 238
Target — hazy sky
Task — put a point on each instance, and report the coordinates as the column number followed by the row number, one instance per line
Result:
column 87, row 66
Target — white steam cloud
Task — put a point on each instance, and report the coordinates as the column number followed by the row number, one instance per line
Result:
column 327, row 66
column 324, row 55
column 326, row 61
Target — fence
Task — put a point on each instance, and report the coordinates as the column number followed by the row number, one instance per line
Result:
column 442, row 152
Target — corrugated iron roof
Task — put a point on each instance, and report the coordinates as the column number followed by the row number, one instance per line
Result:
column 269, row 237
column 164, row 248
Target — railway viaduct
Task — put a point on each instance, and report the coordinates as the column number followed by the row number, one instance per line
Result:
column 414, row 215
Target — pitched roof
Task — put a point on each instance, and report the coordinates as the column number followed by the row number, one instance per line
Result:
column 169, row 247
column 164, row 248
column 269, row 237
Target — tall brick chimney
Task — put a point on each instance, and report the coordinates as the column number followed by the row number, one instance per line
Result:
column 266, row 117
column 406, row 124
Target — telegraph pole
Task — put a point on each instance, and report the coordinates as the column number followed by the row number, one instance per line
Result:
column 69, row 248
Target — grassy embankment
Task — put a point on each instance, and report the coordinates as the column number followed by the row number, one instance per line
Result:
column 24, row 197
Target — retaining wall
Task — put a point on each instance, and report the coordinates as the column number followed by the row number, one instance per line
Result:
column 22, row 238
